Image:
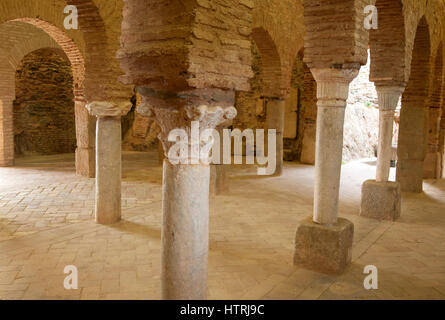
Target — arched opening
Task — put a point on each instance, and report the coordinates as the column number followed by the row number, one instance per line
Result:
column 44, row 120
column 433, row 160
column 270, row 62
column 413, row 137
column 361, row 118
column 20, row 37
column 90, row 50
column 264, row 100
column 301, row 114
column 266, row 96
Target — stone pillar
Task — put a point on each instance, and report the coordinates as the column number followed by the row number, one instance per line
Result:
column 6, row 132
column 332, row 93
column 432, row 165
column 185, row 203
column 85, row 137
column 219, row 177
column 108, row 159
column 161, row 154
column 185, row 231
column 411, row 147
column 309, row 138
column 381, row 199
column 275, row 120
column 442, row 146
column 309, row 103
column 325, row 243
column 388, row 99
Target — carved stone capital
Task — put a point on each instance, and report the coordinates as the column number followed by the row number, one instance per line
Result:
column 389, row 97
column 145, row 110
column 108, row 109
column 333, row 86
column 190, row 118
column 207, row 117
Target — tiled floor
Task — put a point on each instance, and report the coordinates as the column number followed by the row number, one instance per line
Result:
column 46, row 224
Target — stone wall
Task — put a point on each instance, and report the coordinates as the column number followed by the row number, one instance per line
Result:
column 250, row 104
column 44, row 120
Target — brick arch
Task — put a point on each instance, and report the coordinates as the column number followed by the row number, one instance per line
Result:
column 27, row 39
column 417, row 88
column 271, row 63
column 20, row 37
column 387, row 44
column 94, row 39
column 433, row 160
column 16, row 40
column 68, row 46
column 413, row 137
column 433, row 167
column 442, row 132
column 437, row 79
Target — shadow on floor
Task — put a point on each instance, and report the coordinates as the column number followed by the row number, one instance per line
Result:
column 137, row 228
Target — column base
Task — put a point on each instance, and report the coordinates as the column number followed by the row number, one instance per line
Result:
column 381, row 200
column 326, row 249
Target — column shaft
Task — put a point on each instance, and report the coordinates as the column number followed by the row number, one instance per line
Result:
column 108, row 170
column 441, row 147
column 185, row 231
column 275, row 120
column 386, row 127
column 332, row 92
column 388, row 100
column 411, row 148
column 85, row 139
column 6, row 132
column 219, row 179
column 432, row 164
column 328, row 160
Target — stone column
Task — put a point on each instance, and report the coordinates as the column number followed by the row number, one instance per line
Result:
column 219, row 178
column 388, row 99
column 432, row 165
column 309, row 138
column 108, row 159
column 442, row 146
column 381, row 199
column 6, row 132
column 275, row 120
column 324, row 243
column 161, row 154
column 185, row 231
column 309, row 102
column 411, row 147
column 85, row 137
column 185, row 204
